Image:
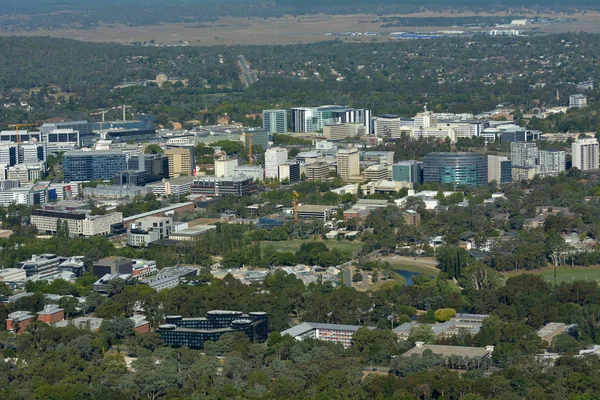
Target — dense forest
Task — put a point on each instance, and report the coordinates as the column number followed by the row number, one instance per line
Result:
column 31, row 15
column 70, row 79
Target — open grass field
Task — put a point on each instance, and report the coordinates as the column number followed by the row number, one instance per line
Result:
column 566, row 274
column 286, row 30
column 294, row 245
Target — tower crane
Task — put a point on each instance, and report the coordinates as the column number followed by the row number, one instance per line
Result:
column 295, row 206
column 249, row 136
column 103, row 113
column 17, row 126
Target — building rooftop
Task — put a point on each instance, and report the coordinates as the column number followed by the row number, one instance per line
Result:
column 194, row 231
column 19, row 316
column 160, row 210
column 315, row 208
column 309, row 326
column 50, row 309
column 448, row 351
column 81, row 323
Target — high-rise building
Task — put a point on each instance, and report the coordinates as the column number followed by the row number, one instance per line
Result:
column 552, row 162
column 92, row 165
column 407, row 171
column 62, row 139
column 225, row 167
column 524, row 154
column 84, row 129
column 275, row 121
column 585, row 154
column 181, row 161
column 457, row 169
column 348, row 163
column 32, row 152
column 312, row 119
column 289, row 171
column 499, row 169
column 9, row 154
column 274, row 157
column 260, row 139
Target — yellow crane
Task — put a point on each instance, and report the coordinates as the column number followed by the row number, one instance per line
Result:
column 249, row 136
column 17, row 126
column 295, row 206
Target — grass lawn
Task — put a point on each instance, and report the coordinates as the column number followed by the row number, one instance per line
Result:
column 568, row 274
column 294, row 245
column 421, row 269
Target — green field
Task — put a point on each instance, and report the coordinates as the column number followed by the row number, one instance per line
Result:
column 568, row 274
column 294, row 245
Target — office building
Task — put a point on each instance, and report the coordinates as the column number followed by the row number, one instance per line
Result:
column 384, row 186
column 344, row 131
column 62, row 140
column 148, row 230
column 388, row 126
column 275, row 121
column 224, row 167
column 115, row 192
column 308, row 211
column 175, row 186
column 325, row 332
column 499, row 169
column 274, row 157
column 80, row 222
column 524, row 154
column 143, row 169
column 194, row 332
column 584, row 153
column 92, row 165
column 260, row 140
column 32, row 153
column 578, row 101
column 377, row 157
column 255, row 172
column 552, row 162
column 11, row 137
column 377, row 173
column 124, row 135
column 181, row 161
column 289, row 171
column 318, row 171
column 112, row 265
column 239, row 185
column 348, row 163
column 523, row 173
column 313, row 119
column 170, row 277
column 407, row 171
column 40, row 265
column 26, row 173
column 9, row 154
column 457, row 169
column 83, row 128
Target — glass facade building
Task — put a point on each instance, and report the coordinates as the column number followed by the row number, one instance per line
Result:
column 457, row 169
column 193, row 332
column 91, row 165
column 407, row 171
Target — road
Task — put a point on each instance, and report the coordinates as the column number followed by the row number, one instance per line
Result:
column 346, row 274
column 248, row 76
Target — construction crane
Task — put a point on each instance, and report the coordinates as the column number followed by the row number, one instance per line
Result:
column 295, row 206
column 103, row 113
column 17, row 126
column 249, row 136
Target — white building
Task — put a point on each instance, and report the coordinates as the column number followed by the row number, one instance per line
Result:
column 256, row 172
column 585, row 154
column 225, row 167
column 578, row 101
column 552, row 162
column 79, row 221
column 274, row 157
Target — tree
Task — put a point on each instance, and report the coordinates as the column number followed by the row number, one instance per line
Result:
column 452, row 259
column 69, row 304
column 421, row 333
column 444, row 314
column 357, row 277
column 153, row 149
column 117, row 328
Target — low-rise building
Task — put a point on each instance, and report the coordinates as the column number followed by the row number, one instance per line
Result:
column 459, row 324
column 81, row 223
column 324, row 213
column 384, row 187
column 18, row 321
column 51, row 314
column 411, row 217
column 450, row 351
column 112, row 265
column 89, row 323
column 170, row 277
column 239, row 185
column 12, row 275
column 194, row 332
column 175, row 186
column 148, row 230
column 40, row 265
column 326, row 332
column 193, row 233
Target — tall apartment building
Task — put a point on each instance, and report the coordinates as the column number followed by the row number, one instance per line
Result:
column 552, row 162
column 499, row 169
column 407, row 171
column 585, row 154
column 524, row 154
column 348, row 163
column 275, row 121
column 225, row 167
column 92, row 165
column 181, row 161
column 274, row 157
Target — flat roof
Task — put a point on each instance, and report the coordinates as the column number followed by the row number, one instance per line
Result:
column 309, row 326
column 194, row 231
column 447, row 351
column 160, row 210
column 315, row 208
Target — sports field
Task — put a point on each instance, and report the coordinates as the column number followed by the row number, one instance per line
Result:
column 568, row 274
